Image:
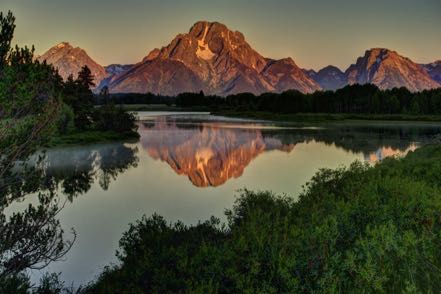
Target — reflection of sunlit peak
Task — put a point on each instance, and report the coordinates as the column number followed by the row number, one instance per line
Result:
column 203, row 155
column 209, row 154
column 385, row 152
column 257, row 126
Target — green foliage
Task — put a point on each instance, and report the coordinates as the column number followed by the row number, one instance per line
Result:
column 85, row 78
column 91, row 137
column 353, row 99
column 65, row 122
column 35, row 104
column 357, row 229
column 133, row 98
column 49, row 283
column 327, row 117
column 79, row 97
column 30, row 99
column 17, row 284
column 7, row 27
column 110, row 117
column 164, row 253
column 30, row 94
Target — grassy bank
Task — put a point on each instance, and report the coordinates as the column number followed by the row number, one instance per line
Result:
column 323, row 117
column 91, row 137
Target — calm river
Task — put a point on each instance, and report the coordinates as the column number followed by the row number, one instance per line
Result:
column 190, row 166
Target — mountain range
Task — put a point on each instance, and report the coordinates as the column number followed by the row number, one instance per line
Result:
column 434, row 70
column 216, row 60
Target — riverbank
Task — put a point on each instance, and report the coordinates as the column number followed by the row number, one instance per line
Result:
column 161, row 107
column 92, row 137
column 286, row 117
column 325, row 117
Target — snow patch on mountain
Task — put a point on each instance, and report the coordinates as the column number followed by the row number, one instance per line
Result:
column 203, row 50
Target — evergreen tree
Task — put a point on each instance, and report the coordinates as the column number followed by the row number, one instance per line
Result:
column 79, row 97
column 7, row 27
column 85, row 78
column 30, row 99
column 104, row 95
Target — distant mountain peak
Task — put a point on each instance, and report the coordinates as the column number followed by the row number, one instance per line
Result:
column 434, row 70
column 69, row 60
column 215, row 59
column 329, row 77
column 377, row 50
column 387, row 69
column 63, row 45
column 288, row 60
column 331, row 68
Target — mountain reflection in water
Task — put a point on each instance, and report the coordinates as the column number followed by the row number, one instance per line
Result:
column 210, row 153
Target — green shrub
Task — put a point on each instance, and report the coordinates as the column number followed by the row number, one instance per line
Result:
column 358, row 229
column 110, row 117
column 65, row 122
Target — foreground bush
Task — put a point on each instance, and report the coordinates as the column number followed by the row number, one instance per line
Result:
column 364, row 229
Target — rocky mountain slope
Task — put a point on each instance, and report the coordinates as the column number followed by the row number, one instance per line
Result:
column 216, row 60
column 116, row 69
column 387, row 69
column 212, row 58
column 113, row 70
column 329, row 78
column 434, row 70
column 69, row 60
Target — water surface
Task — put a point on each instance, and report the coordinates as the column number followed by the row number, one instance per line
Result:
column 190, row 166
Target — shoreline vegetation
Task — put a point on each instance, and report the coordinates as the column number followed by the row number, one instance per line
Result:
column 360, row 227
column 285, row 117
column 353, row 102
column 327, row 117
column 92, row 137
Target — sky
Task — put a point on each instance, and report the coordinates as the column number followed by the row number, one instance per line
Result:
column 315, row 33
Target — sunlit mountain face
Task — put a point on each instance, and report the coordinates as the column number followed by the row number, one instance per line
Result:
column 210, row 153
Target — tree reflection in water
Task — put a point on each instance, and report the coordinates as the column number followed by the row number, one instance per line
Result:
column 84, row 166
column 33, row 237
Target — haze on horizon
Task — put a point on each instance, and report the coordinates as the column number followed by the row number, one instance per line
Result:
column 314, row 33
